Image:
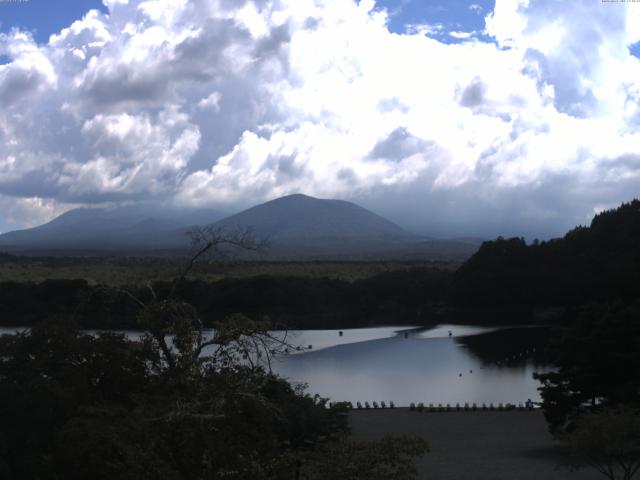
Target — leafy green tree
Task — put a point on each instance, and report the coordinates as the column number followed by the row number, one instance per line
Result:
column 54, row 373
column 75, row 405
column 598, row 263
column 598, row 359
column 607, row 441
column 178, row 403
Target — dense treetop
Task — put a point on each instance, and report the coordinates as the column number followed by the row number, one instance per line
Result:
column 595, row 263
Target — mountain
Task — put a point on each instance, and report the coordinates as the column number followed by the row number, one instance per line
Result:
column 300, row 227
column 300, row 217
column 131, row 230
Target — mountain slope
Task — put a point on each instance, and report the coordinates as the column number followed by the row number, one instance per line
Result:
column 300, row 227
column 130, row 229
column 299, row 217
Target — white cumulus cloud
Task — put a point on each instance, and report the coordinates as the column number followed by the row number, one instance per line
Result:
column 232, row 103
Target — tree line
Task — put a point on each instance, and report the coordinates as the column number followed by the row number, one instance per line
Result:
column 391, row 297
column 592, row 400
column 136, row 410
column 177, row 404
column 597, row 263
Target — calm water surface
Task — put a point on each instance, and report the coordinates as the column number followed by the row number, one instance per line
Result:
column 407, row 365
column 410, row 364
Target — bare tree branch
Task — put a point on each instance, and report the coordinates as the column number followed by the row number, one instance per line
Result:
column 208, row 238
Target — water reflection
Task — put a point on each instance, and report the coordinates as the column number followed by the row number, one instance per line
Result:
column 421, row 367
column 509, row 346
column 319, row 339
column 444, row 331
column 410, row 364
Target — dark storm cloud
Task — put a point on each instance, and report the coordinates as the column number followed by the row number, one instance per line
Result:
column 544, row 210
column 32, row 184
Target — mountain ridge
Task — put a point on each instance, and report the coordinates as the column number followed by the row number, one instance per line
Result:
column 109, row 229
column 299, row 227
column 300, row 216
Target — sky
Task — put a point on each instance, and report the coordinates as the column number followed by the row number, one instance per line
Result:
column 451, row 118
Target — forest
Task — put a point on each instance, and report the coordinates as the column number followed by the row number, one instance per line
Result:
column 293, row 302
column 77, row 405
column 506, row 279
column 595, row 263
column 144, row 410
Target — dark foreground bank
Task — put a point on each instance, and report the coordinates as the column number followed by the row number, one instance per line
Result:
column 473, row 445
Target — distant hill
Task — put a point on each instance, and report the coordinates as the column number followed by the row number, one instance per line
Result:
column 298, row 227
column 128, row 230
column 596, row 263
column 300, row 217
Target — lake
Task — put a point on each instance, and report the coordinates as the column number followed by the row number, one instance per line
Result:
column 413, row 364
column 407, row 364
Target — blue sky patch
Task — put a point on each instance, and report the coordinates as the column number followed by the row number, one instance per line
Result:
column 44, row 17
column 635, row 49
column 448, row 21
